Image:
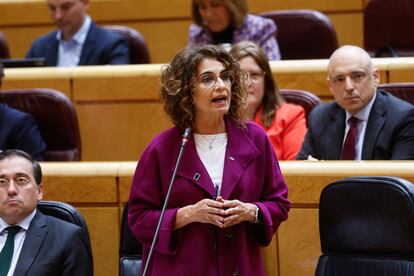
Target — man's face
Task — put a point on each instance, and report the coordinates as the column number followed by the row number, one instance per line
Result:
column 20, row 197
column 68, row 15
column 352, row 78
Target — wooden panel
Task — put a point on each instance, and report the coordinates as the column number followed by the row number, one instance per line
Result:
column 104, row 230
column 299, row 243
column 119, row 131
column 293, row 251
column 122, row 82
column 349, row 28
column 20, row 38
column 271, row 257
column 160, row 24
column 401, row 69
column 164, row 38
column 81, row 189
column 48, row 77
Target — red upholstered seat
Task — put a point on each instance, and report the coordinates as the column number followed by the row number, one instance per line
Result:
column 138, row 50
column 56, row 119
column 303, row 34
column 402, row 90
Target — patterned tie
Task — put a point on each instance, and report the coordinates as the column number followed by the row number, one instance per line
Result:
column 348, row 150
column 7, row 251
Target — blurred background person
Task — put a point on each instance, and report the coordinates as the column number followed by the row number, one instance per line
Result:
column 284, row 123
column 229, row 196
column 78, row 40
column 18, row 130
column 228, row 22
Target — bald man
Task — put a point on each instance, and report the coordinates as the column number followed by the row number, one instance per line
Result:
column 382, row 126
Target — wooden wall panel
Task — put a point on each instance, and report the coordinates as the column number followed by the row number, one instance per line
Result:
column 293, row 251
column 299, row 243
column 349, row 28
column 163, row 24
column 119, row 131
column 104, row 230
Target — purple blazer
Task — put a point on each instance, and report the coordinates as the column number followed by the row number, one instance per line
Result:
column 257, row 29
column 251, row 174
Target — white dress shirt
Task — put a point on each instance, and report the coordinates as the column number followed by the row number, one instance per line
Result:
column 18, row 239
column 71, row 50
column 362, row 116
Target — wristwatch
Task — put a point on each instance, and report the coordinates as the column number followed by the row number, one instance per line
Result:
column 256, row 215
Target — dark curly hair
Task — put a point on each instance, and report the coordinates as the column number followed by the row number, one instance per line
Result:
column 177, row 84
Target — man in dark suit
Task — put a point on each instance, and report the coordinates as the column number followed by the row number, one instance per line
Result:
column 18, row 130
column 40, row 244
column 380, row 125
column 78, row 41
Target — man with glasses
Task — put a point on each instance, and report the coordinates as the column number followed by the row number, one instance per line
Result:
column 363, row 123
column 30, row 242
column 19, row 130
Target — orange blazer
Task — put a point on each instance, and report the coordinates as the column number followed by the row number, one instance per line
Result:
column 287, row 131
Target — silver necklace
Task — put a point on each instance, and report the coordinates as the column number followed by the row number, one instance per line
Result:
column 210, row 142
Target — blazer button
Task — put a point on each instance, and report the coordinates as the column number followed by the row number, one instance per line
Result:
column 235, row 273
column 215, row 246
column 229, row 235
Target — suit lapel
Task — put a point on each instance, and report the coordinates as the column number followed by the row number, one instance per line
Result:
column 52, row 51
column 239, row 154
column 334, row 134
column 375, row 123
column 89, row 45
column 193, row 168
column 34, row 238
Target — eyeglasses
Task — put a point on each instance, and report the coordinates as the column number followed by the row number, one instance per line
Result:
column 209, row 79
column 255, row 77
column 20, row 182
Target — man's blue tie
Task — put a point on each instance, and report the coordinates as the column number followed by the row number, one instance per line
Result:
column 7, row 251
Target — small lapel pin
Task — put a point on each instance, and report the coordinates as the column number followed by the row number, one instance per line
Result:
column 196, row 176
column 231, row 158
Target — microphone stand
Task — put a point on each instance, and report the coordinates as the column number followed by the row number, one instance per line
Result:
column 167, row 197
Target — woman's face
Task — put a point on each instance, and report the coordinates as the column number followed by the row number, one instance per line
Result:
column 212, row 90
column 216, row 16
column 255, row 83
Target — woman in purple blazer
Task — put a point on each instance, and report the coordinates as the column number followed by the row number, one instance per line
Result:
column 229, row 196
column 228, row 22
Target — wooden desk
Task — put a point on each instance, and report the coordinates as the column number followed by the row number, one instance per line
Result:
column 164, row 25
column 99, row 190
column 119, row 110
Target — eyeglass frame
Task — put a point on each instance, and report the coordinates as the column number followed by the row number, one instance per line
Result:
column 257, row 78
column 225, row 82
column 6, row 184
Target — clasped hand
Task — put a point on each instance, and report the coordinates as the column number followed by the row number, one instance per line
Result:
column 220, row 212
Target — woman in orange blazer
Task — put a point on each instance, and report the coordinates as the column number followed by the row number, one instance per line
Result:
column 284, row 123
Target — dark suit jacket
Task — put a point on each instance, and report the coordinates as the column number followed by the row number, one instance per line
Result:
column 101, row 47
column 389, row 134
column 18, row 130
column 54, row 247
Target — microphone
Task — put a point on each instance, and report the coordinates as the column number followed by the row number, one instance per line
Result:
column 167, row 197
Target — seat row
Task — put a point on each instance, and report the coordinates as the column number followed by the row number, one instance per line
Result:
column 58, row 122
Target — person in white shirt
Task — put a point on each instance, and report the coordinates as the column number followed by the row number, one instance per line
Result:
column 78, row 40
